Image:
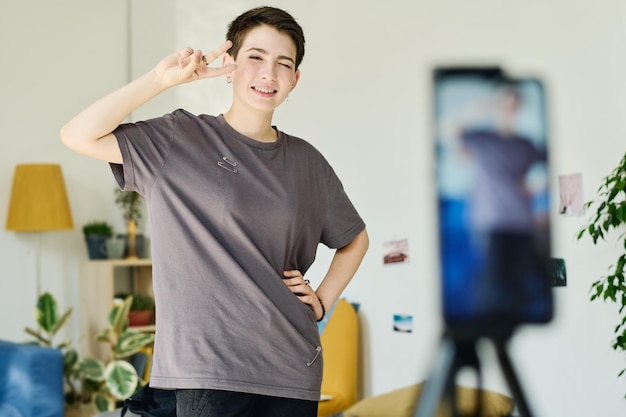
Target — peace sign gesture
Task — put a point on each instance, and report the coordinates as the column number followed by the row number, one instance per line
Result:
column 188, row 65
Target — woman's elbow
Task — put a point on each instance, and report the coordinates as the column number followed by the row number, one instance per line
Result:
column 67, row 138
column 366, row 239
column 362, row 240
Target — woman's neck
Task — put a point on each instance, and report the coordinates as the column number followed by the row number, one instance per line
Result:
column 253, row 125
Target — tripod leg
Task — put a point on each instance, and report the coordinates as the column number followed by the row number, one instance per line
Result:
column 514, row 384
column 434, row 388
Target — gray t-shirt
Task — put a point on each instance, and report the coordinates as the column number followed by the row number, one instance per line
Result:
column 228, row 215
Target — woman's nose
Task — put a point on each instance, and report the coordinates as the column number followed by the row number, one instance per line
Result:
column 268, row 71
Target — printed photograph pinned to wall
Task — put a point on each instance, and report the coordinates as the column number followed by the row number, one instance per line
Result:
column 559, row 274
column 571, row 194
column 396, row 251
column 402, row 323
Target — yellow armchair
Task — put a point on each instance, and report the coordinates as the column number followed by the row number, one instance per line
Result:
column 340, row 346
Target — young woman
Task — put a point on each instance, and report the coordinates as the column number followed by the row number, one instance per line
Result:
column 237, row 210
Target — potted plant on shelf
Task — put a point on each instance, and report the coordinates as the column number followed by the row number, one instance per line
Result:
column 96, row 234
column 130, row 202
column 141, row 311
column 610, row 216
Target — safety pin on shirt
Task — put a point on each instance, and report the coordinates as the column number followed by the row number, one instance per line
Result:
column 230, row 168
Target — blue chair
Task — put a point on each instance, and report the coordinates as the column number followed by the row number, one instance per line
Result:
column 31, row 381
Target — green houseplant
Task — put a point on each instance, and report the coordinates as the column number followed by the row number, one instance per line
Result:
column 98, row 227
column 49, row 323
column 609, row 216
column 96, row 234
column 130, row 202
column 91, row 380
column 141, row 309
column 106, row 384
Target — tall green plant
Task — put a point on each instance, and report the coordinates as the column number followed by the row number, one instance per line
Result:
column 130, row 203
column 610, row 216
column 49, row 323
column 107, row 384
column 90, row 379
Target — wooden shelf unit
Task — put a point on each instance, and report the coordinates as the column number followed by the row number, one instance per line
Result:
column 100, row 281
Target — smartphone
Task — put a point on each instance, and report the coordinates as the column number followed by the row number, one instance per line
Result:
column 491, row 163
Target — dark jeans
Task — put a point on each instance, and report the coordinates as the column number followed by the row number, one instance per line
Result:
column 214, row 403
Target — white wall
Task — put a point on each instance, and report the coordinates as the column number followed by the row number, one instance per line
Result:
column 56, row 57
column 363, row 100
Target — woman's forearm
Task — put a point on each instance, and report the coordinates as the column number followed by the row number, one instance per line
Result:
column 83, row 132
column 344, row 265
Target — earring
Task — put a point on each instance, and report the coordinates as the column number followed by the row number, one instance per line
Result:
column 229, row 80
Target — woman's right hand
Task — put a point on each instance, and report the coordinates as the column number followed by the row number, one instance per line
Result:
column 188, row 65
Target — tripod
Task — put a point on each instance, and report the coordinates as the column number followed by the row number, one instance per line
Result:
column 458, row 350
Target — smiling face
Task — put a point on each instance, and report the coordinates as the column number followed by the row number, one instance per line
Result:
column 266, row 70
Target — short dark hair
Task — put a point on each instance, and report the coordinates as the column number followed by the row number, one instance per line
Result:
column 270, row 16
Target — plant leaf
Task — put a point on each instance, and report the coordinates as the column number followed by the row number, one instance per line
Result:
column 60, row 322
column 47, row 315
column 130, row 343
column 598, row 286
column 620, row 264
column 40, row 339
column 121, row 379
column 103, row 403
column 119, row 321
column 103, row 336
column 92, row 369
column 64, row 344
column 70, row 359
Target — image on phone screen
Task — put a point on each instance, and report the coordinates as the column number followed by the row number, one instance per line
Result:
column 492, row 180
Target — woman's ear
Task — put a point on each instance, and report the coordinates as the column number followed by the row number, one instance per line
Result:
column 227, row 59
column 296, row 77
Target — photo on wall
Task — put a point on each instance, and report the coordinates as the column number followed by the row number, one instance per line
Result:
column 396, row 251
column 402, row 323
column 571, row 194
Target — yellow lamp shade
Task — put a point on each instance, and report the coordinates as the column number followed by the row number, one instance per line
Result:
column 38, row 199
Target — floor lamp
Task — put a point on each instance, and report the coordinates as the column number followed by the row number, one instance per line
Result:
column 38, row 204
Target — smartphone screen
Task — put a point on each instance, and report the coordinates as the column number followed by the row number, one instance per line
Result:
column 493, row 203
